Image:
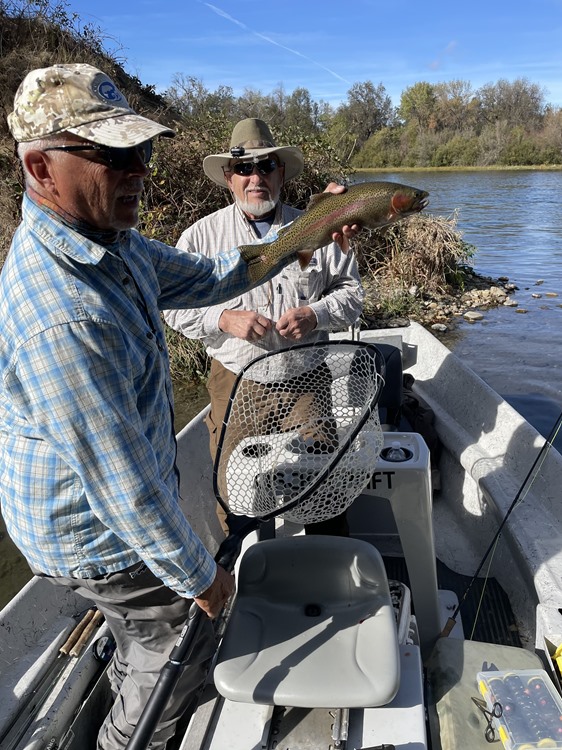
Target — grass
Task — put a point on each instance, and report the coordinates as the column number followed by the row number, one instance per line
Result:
column 488, row 168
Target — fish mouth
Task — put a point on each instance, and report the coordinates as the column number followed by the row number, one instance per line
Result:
column 421, row 201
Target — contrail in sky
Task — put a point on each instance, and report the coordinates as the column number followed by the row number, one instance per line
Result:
column 228, row 17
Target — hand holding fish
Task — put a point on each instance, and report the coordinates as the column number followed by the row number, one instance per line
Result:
column 347, row 232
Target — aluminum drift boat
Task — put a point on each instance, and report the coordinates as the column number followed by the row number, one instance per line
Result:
column 430, row 543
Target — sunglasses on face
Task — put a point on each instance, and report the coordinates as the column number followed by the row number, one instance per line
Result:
column 245, row 168
column 114, row 158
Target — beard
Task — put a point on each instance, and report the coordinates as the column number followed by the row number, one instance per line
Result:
column 257, row 207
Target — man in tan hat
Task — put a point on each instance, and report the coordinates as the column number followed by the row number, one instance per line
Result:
column 89, row 482
column 294, row 306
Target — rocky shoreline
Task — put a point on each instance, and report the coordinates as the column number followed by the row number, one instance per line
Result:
column 480, row 293
column 442, row 314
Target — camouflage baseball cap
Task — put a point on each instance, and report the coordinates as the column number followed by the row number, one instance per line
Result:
column 79, row 99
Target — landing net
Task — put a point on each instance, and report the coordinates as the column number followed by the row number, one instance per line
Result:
column 302, row 434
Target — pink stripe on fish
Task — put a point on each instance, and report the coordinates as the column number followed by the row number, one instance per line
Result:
column 339, row 213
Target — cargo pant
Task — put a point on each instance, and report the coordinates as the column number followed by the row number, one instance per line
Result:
column 145, row 618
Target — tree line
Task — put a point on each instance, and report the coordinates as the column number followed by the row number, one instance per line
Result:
column 426, row 253
column 448, row 124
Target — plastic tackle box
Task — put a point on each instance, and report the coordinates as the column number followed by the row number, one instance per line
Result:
column 530, row 709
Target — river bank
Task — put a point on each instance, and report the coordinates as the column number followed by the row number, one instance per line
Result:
column 442, row 313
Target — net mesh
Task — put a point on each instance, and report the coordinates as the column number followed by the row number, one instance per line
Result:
column 293, row 421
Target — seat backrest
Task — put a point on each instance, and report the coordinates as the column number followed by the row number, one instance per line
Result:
column 300, row 570
column 312, row 626
column 390, row 401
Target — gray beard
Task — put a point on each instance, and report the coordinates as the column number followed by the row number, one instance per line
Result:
column 257, row 208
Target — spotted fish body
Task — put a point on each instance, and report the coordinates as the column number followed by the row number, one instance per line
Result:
column 368, row 204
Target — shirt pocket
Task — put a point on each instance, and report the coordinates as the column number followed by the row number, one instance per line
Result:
column 306, row 285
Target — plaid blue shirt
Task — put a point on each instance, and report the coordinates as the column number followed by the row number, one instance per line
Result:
column 88, row 481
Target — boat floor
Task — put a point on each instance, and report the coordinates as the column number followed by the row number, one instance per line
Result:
column 486, row 613
column 486, row 616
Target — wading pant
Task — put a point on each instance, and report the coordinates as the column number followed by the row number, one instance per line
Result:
column 145, row 618
column 268, row 401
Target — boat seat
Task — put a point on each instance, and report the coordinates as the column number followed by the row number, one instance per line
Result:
column 390, row 401
column 312, row 626
column 391, row 396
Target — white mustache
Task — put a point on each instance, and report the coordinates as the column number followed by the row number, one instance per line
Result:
column 261, row 188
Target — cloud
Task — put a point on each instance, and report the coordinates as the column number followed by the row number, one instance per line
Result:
column 437, row 64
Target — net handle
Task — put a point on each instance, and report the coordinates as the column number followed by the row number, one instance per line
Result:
column 335, row 457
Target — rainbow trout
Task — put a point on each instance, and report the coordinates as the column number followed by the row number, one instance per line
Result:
column 368, row 204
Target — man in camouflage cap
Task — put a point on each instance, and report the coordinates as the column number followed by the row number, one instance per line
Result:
column 79, row 99
column 89, row 483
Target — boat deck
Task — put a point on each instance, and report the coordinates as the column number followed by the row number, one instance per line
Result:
column 486, row 613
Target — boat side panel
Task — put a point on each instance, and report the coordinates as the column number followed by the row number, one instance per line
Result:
column 488, row 450
column 197, row 499
column 33, row 626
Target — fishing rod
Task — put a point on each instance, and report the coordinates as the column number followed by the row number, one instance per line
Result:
column 78, row 635
column 541, row 456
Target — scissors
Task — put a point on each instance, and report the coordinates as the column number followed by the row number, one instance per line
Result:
column 495, row 713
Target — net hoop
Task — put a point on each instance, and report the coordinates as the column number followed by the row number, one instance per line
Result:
column 301, row 434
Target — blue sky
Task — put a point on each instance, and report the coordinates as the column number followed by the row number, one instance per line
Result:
column 327, row 46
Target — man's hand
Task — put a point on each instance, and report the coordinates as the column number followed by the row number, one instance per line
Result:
column 348, row 232
column 219, row 592
column 244, row 324
column 297, row 322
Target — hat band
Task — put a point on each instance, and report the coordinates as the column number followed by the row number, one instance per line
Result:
column 256, row 144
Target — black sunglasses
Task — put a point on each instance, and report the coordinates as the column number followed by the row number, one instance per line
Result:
column 245, row 168
column 115, row 158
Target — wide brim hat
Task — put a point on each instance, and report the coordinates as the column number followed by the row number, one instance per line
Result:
column 251, row 140
column 80, row 99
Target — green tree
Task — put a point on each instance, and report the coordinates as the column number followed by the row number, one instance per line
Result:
column 189, row 97
column 301, row 111
column 368, row 108
column 520, row 149
column 418, row 106
column 383, row 149
column 456, row 107
column 517, row 102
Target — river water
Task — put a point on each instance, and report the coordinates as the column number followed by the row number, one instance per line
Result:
column 514, row 219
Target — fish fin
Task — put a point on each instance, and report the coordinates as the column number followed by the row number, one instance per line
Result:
column 284, row 229
column 317, row 198
column 304, row 257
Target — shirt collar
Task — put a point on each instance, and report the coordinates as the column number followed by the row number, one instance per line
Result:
column 55, row 233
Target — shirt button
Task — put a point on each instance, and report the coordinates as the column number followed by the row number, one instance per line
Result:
column 126, row 280
column 149, row 335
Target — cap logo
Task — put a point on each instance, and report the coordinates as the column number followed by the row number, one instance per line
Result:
column 107, row 90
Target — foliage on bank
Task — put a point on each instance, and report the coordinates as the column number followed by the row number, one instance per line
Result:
column 401, row 266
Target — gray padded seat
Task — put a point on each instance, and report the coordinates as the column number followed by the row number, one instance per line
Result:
column 312, row 626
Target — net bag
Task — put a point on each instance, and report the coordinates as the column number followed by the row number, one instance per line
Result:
column 301, row 435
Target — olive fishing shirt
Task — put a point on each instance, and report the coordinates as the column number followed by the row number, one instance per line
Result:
column 88, row 484
column 330, row 285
